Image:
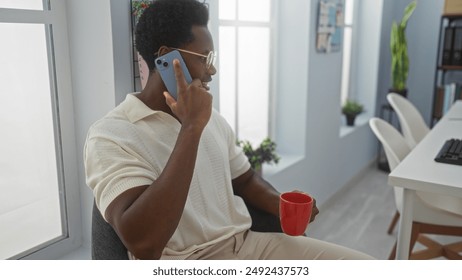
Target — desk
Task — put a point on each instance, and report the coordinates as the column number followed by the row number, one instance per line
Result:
column 419, row 172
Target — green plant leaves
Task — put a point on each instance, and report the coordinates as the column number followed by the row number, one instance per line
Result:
column 407, row 13
column 265, row 153
column 398, row 47
column 352, row 108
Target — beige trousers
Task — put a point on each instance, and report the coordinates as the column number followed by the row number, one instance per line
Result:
column 251, row 245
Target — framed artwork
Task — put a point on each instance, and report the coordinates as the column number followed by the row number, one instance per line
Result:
column 330, row 24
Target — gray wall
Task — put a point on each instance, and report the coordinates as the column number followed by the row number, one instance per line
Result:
column 100, row 49
column 423, row 32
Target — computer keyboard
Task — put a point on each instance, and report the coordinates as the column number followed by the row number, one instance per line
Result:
column 451, row 152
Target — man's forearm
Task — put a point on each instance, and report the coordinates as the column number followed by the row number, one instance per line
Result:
column 257, row 192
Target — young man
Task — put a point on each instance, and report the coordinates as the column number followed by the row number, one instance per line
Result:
column 164, row 172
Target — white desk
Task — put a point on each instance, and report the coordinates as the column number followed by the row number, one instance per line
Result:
column 419, row 172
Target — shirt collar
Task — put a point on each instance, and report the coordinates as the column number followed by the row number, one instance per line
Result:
column 135, row 109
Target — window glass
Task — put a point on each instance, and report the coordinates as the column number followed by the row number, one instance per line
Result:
column 245, row 67
column 346, row 63
column 227, row 10
column 349, row 11
column 29, row 160
column 253, row 71
column 23, row 4
column 254, row 10
column 347, row 51
column 228, row 80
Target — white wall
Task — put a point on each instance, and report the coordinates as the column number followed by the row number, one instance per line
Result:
column 292, row 73
column 308, row 110
column 92, row 66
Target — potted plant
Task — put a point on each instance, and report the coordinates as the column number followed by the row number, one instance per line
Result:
column 399, row 54
column 265, row 153
column 351, row 109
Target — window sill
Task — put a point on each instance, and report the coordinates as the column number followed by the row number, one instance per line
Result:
column 360, row 121
column 286, row 161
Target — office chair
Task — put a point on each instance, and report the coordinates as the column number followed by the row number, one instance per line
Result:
column 412, row 124
column 433, row 214
column 106, row 244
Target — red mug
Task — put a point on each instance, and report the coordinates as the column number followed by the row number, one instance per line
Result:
column 295, row 212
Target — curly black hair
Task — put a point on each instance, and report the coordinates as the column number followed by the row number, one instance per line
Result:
column 168, row 23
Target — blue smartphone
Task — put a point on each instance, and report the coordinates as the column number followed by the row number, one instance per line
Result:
column 164, row 65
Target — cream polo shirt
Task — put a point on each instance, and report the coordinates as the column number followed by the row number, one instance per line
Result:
column 130, row 147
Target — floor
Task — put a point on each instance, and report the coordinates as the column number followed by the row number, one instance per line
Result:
column 358, row 216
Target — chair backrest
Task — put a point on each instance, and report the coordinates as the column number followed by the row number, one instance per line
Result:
column 105, row 243
column 412, row 124
column 396, row 148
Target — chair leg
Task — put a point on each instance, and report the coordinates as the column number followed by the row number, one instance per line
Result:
column 392, row 225
column 453, row 251
column 414, row 235
column 392, row 255
column 433, row 249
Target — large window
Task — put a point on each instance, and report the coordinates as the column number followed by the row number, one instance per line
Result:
column 348, row 35
column 244, row 49
column 37, row 162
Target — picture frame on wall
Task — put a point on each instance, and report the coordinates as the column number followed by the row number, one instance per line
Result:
column 330, row 24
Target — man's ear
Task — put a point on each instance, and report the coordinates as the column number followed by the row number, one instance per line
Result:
column 163, row 50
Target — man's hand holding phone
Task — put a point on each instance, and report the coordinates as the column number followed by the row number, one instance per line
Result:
column 194, row 103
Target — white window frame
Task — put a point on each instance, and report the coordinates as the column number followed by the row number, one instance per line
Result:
column 272, row 59
column 60, row 82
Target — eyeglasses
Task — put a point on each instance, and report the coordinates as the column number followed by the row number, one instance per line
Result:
column 208, row 59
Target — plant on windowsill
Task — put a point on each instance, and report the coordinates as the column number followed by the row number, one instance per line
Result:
column 399, row 54
column 351, row 109
column 264, row 153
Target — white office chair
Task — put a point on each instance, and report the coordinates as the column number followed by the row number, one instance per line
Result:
column 433, row 214
column 412, row 124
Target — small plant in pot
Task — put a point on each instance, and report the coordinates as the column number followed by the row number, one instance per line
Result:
column 351, row 109
column 264, row 153
column 399, row 54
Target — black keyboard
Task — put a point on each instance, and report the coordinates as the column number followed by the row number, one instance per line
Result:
column 451, row 152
